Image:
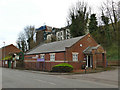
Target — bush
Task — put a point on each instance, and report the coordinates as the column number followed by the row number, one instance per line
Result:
column 63, row 67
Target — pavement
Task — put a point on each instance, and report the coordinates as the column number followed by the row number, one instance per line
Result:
column 13, row 78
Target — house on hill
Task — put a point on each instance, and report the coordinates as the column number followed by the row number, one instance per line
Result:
column 77, row 51
column 41, row 33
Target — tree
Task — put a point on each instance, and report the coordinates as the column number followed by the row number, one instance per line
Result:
column 29, row 33
column 118, row 10
column 105, row 20
column 109, row 8
column 93, row 23
column 21, row 42
column 78, row 19
column 25, row 39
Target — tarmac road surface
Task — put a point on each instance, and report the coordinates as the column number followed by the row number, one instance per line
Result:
column 13, row 78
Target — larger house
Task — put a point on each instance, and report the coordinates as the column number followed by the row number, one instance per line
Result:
column 60, row 34
column 83, row 50
column 41, row 33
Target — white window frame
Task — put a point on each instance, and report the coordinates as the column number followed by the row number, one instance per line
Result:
column 6, row 62
column 42, row 56
column 75, row 56
column 52, row 57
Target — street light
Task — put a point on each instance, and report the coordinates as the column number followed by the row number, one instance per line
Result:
column 4, row 52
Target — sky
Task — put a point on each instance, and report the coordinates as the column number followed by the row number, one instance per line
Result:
column 17, row 14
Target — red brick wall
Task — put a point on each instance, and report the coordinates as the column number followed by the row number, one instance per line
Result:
column 39, row 65
column 9, row 49
column 60, row 56
column 85, row 41
column 100, row 59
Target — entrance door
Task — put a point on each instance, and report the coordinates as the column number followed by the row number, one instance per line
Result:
column 9, row 64
column 89, row 61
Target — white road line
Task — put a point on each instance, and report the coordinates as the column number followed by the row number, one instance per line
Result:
column 45, row 81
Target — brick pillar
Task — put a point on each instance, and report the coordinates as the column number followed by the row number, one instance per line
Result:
column 104, row 59
column 94, row 59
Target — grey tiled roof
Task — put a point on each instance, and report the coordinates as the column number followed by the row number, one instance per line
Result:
column 88, row 50
column 54, row 46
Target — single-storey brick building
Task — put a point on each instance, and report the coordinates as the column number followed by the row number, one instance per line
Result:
column 77, row 51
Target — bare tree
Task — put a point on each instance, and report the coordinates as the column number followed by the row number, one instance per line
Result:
column 109, row 8
column 118, row 10
column 25, row 39
column 21, row 42
column 29, row 33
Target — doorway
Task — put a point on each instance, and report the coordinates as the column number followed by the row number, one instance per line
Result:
column 9, row 64
column 89, row 61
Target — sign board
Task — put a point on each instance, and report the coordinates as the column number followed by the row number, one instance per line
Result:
column 40, row 60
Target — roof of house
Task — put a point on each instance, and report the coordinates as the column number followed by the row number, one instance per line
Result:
column 55, row 46
column 88, row 50
column 43, row 28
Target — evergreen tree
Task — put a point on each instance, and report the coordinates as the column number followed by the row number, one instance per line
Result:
column 93, row 23
column 78, row 19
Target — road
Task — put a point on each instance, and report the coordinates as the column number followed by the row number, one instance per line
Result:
column 12, row 78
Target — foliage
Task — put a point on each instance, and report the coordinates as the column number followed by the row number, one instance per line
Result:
column 63, row 67
column 25, row 39
column 21, row 42
column 29, row 33
column 78, row 17
column 112, row 52
column 7, row 58
column 93, row 23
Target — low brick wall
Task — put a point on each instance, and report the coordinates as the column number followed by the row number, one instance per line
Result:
column 48, row 65
column 113, row 63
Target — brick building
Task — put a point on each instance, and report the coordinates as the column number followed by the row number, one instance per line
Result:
column 77, row 51
column 6, row 55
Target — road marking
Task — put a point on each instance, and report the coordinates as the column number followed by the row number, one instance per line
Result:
column 45, row 81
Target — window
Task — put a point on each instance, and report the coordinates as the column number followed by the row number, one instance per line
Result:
column 61, row 38
column 75, row 56
column 61, row 33
column 52, row 57
column 58, row 39
column 58, row 34
column 42, row 56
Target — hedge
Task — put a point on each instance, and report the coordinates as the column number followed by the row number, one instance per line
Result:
column 63, row 67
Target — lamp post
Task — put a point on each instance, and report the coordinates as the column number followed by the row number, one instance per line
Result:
column 4, row 53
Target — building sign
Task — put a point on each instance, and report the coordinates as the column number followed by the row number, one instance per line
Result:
column 40, row 60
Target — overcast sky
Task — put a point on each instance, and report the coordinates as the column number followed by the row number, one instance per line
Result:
column 16, row 14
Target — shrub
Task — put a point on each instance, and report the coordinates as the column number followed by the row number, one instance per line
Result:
column 63, row 67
